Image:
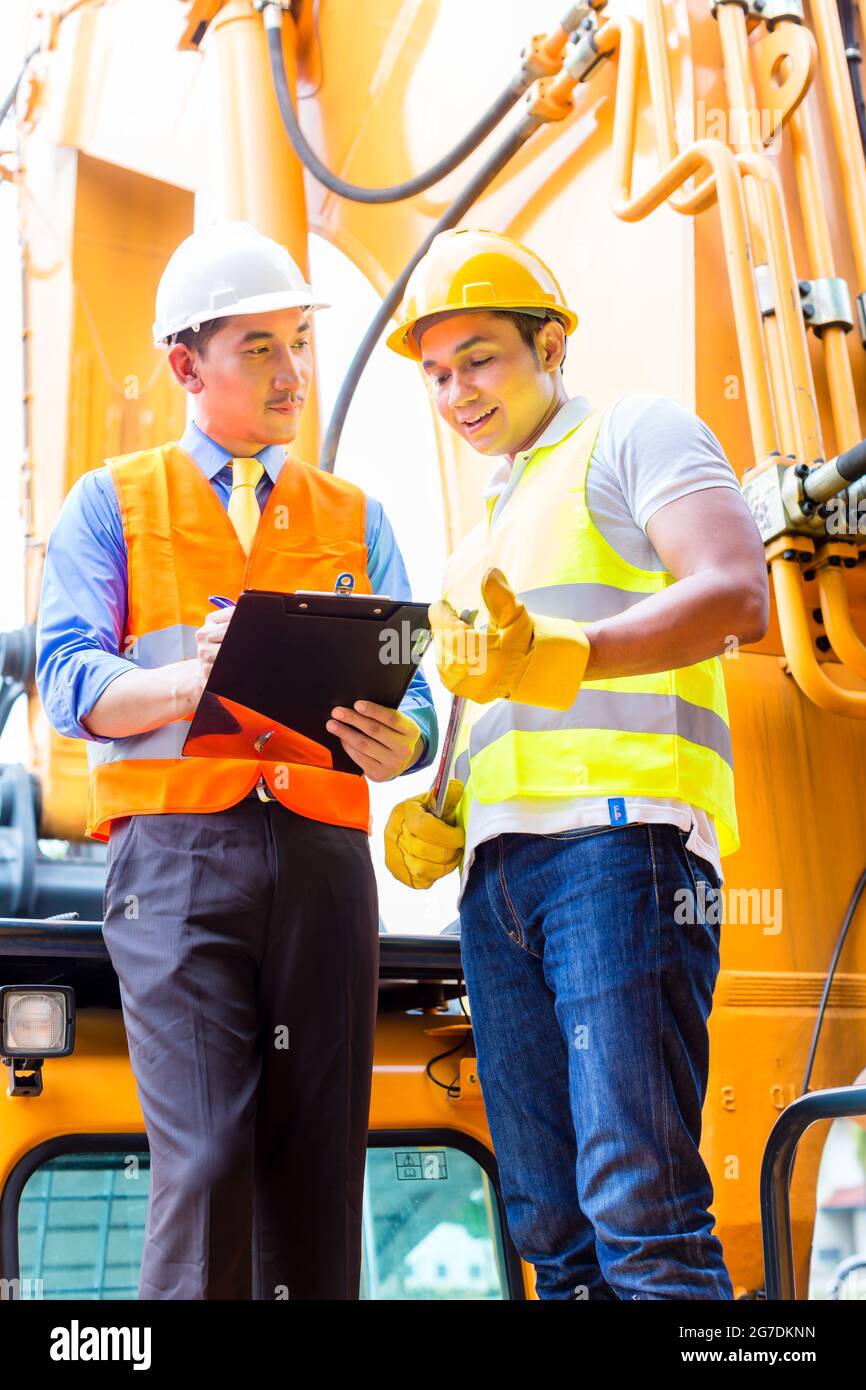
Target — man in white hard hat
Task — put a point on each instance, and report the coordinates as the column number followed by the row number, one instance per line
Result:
column 594, row 795
column 241, row 910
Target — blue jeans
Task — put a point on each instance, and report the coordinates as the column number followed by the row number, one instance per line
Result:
column 590, row 996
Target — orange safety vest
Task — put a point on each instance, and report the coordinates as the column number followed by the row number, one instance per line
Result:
column 182, row 547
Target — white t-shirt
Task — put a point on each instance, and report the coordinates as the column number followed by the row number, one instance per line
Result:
column 650, row 450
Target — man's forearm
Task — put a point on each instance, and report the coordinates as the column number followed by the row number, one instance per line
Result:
column 699, row 616
column 142, row 699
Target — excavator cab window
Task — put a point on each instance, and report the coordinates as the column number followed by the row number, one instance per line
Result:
column 838, row 1264
column 432, row 1225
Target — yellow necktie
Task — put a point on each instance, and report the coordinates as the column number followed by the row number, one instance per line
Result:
column 244, row 512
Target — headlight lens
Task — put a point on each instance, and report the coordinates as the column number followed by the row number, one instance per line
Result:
column 35, row 1021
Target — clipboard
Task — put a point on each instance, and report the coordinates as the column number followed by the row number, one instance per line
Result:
column 288, row 659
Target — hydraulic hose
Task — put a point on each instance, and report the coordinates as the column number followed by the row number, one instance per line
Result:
column 8, row 101
column 398, row 192
column 825, row 993
column 17, row 667
column 837, row 951
column 474, row 188
column 854, row 57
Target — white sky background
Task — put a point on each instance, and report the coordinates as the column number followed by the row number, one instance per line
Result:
column 387, row 448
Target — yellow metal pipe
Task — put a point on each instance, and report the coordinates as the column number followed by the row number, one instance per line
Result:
column 786, row 300
column 790, row 367
column 836, row 613
column 834, row 602
column 542, row 57
column 624, row 34
column 74, row 6
column 552, row 45
column 562, row 86
column 658, row 72
column 262, row 178
column 816, row 226
column 782, row 396
column 741, row 98
column 843, row 120
column 840, row 379
column 790, row 605
column 734, row 39
column 815, row 222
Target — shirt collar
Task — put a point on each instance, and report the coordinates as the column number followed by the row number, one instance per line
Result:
column 566, row 419
column 212, row 457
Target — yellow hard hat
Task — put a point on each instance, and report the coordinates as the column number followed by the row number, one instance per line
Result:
column 471, row 268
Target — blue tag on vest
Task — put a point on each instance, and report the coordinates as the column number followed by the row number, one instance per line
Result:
column 616, row 809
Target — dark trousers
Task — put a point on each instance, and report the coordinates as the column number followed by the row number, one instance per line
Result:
column 246, row 945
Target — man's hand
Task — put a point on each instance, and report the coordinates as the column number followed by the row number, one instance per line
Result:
column 522, row 656
column 383, row 742
column 209, row 637
column 420, row 847
column 481, row 665
column 146, row 698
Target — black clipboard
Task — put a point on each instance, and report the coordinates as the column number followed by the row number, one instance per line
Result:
column 288, row 659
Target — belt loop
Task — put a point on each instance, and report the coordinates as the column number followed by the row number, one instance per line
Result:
column 263, row 792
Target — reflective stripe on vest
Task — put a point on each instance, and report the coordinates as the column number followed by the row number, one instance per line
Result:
column 665, row 734
column 601, row 709
column 151, row 649
column 181, row 547
column 587, row 603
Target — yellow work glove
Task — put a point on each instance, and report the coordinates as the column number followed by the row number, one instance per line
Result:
column 522, row 657
column 420, row 847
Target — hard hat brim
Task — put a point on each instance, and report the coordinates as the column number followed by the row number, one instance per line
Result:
column 402, row 339
column 256, row 304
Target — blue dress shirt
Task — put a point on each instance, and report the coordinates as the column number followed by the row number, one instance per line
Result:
column 83, row 604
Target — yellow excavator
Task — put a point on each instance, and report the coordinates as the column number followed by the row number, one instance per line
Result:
column 694, row 170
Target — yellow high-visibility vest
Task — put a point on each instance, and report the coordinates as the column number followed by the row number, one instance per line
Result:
column 660, row 735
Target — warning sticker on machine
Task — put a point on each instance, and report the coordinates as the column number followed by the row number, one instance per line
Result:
column 415, row 1166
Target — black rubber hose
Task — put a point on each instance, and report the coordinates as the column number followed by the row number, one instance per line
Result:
column 825, row 993
column 398, row 192
column 852, row 464
column 8, row 100
column 486, row 174
column 854, row 58
column 831, row 972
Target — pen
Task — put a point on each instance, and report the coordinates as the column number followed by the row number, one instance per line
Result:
column 220, row 601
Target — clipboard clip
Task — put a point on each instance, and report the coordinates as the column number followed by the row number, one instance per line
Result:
column 345, row 583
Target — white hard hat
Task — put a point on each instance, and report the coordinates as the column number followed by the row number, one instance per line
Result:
column 227, row 269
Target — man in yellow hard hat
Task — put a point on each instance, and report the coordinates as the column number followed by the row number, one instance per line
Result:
column 594, row 795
